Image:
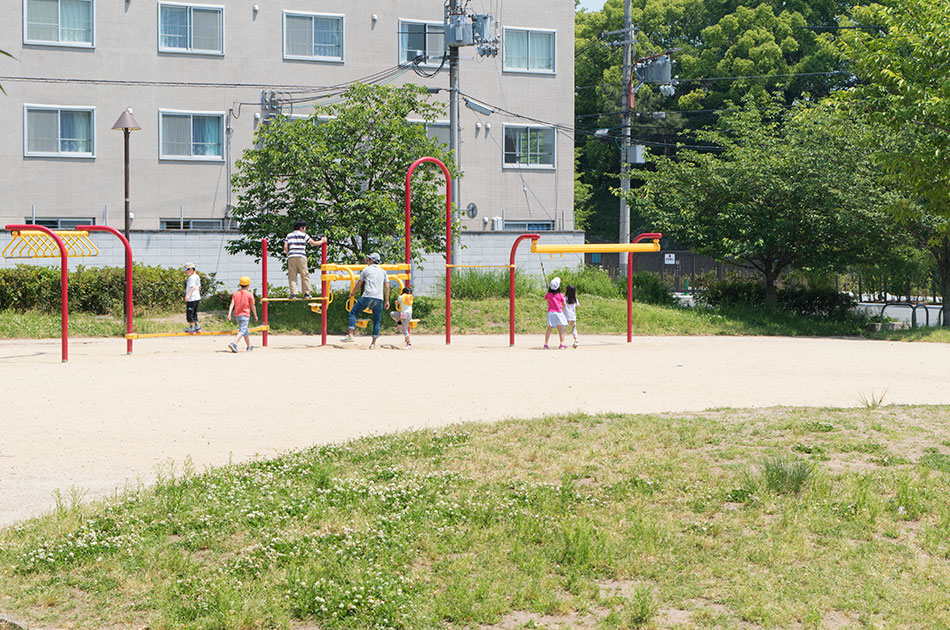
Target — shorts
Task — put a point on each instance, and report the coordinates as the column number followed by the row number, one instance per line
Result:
column 242, row 321
column 556, row 318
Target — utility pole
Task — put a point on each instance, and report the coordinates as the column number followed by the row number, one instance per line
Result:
column 626, row 107
column 453, row 9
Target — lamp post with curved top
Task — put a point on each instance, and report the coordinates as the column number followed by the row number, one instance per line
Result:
column 127, row 124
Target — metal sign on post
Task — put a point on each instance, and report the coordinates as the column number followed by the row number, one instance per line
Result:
column 669, row 259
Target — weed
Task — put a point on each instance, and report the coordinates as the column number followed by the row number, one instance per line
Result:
column 872, row 400
column 641, row 606
column 785, row 475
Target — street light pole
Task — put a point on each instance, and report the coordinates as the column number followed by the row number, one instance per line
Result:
column 127, row 124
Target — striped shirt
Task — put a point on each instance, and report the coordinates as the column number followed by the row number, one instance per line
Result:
column 297, row 244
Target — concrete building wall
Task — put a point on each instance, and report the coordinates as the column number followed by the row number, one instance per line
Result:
column 125, row 68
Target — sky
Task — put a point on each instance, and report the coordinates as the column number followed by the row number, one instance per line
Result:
column 592, row 5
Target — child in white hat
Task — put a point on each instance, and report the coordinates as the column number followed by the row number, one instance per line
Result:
column 556, row 317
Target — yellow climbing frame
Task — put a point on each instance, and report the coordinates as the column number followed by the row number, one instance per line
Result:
column 35, row 244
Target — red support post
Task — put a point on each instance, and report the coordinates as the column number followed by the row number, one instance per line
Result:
column 324, row 293
column 64, row 280
column 264, row 286
column 128, row 274
column 511, row 285
column 448, row 236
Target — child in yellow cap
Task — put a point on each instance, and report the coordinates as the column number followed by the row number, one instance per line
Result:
column 242, row 304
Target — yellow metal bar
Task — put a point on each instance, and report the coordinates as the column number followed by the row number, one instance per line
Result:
column 335, row 267
column 197, row 334
column 35, row 244
column 595, row 248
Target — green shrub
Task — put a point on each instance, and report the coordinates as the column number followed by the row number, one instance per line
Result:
column 96, row 290
column 587, row 281
column 478, row 284
column 801, row 300
column 647, row 288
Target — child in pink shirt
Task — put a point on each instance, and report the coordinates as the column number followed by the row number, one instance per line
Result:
column 556, row 318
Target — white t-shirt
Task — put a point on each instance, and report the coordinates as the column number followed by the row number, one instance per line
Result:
column 194, row 280
column 570, row 311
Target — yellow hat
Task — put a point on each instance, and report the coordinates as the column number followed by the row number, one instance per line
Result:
column 245, row 281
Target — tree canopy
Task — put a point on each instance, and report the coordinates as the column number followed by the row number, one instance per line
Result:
column 342, row 170
column 787, row 190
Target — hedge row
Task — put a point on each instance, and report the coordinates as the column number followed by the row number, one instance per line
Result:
column 96, row 290
column 794, row 299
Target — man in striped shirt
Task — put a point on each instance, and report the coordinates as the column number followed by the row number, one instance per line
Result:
column 295, row 246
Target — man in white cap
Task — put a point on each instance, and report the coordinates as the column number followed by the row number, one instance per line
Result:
column 375, row 284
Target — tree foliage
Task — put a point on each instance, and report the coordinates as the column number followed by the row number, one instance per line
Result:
column 788, row 190
column 342, row 170
column 782, row 44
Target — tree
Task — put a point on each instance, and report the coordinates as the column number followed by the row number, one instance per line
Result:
column 902, row 56
column 343, row 170
column 5, row 54
column 781, row 44
column 790, row 189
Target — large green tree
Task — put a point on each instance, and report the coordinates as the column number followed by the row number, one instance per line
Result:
column 791, row 188
column 779, row 43
column 901, row 54
column 343, row 170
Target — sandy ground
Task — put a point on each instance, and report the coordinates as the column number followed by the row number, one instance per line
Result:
column 106, row 420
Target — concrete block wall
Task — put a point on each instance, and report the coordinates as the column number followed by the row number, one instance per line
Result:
column 206, row 250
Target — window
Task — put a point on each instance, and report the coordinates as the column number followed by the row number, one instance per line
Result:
column 529, row 147
column 61, row 22
column 529, row 226
column 437, row 130
column 191, row 29
column 191, row 224
column 191, row 136
column 59, row 131
column 56, row 223
column 313, row 36
column 528, row 50
column 421, row 39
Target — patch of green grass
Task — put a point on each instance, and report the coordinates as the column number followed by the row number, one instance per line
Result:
column 602, row 520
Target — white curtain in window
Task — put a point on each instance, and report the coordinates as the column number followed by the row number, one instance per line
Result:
column 75, row 20
column 42, row 20
column 206, row 135
column 516, row 49
column 173, row 29
column 42, row 131
column 176, row 135
column 299, row 35
column 328, row 37
column 541, row 51
column 206, row 30
column 75, row 132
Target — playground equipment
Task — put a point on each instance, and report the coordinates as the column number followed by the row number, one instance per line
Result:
column 631, row 248
column 37, row 241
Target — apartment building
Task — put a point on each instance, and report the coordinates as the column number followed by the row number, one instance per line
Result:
column 200, row 76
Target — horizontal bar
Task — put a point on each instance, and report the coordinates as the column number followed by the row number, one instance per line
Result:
column 310, row 299
column 595, row 248
column 335, row 267
column 197, row 334
column 57, row 232
column 483, row 266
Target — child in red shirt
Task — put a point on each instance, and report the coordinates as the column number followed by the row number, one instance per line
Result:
column 242, row 304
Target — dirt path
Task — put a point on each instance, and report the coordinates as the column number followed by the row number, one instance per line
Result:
column 106, row 420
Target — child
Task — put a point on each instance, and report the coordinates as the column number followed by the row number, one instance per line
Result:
column 192, row 298
column 295, row 247
column 404, row 315
column 242, row 303
column 570, row 310
column 555, row 317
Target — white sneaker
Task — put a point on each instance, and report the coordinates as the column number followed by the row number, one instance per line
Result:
column 408, row 346
column 347, row 339
column 372, row 346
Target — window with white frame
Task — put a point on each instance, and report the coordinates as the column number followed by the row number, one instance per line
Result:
column 313, row 36
column 191, row 135
column 60, row 223
column 191, row 224
column 61, row 22
column 187, row 28
column 437, row 130
column 425, row 40
column 59, row 131
column 529, row 147
column 529, row 50
column 519, row 225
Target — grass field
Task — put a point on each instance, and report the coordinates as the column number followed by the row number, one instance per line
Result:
column 766, row 518
column 483, row 316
